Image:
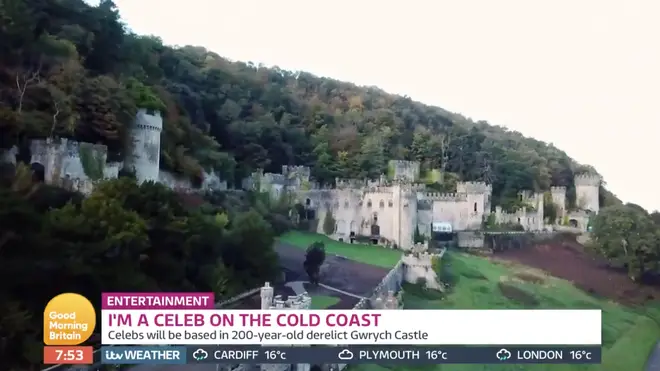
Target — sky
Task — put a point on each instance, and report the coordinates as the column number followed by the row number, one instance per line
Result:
column 583, row 75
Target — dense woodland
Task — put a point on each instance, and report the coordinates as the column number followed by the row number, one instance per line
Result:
column 124, row 237
column 629, row 237
column 68, row 69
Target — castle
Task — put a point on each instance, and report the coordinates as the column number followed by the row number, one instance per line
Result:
column 78, row 165
column 389, row 210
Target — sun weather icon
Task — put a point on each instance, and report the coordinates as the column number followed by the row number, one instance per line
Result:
column 200, row 355
column 503, row 355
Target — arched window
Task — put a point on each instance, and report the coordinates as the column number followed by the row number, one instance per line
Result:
column 381, row 204
column 475, row 207
column 390, row 203
column 308, row 202
column 369, row 203
column 346, row 204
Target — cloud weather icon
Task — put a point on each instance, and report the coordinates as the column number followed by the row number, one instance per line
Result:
column 503, row 355
column 345, row 355
column 200, row 355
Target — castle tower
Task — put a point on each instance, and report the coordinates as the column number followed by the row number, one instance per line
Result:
column 587, row 190
column 478, row 201
column 143, row 156
column 405, row 220
column 403, row 170
column 266, row 296
column 539, row 211
column 559, row 199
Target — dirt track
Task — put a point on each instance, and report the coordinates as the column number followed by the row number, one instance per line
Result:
column 569, row 260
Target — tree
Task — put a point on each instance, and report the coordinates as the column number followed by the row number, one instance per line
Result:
column 329, row 223
column 627, row 236
column 314, row 259
column 550, row 211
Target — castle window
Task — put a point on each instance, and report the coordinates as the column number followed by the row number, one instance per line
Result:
column 336, row 205
column 346, row 204
column 390, row 203
column 375, row 218
column 381, row 204
column 308, row 202
column 475, row 207
column 360, row 203
column 518, row 220
column 369, row 203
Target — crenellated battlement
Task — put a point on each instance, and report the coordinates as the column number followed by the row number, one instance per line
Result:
column 380, row 189
column 588, row 180
column 268, row 301
column 350, row 183
column 63, row 147
column 473, row 187
column 146, row 120
column 423, row 259
column 302, row 171
column 411, row 187
column 452, row 197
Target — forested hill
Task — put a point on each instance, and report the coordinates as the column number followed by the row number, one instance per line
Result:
column 72, row 70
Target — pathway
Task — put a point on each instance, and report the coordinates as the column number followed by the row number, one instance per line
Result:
column 298, row 287
column 653, row 363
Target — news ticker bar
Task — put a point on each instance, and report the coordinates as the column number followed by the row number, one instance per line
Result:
column 390, row 354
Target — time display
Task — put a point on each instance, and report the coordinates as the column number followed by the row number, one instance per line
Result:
column 72, row 355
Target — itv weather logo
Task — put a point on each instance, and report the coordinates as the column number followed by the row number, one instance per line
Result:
column 111, row 355
column 138, row 355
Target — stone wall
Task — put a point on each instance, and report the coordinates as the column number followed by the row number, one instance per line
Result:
column 470, row 240
column 497, row 241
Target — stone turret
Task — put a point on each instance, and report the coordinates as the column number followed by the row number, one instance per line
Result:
column 144, row 155
column 266, row 296
column 587, row 191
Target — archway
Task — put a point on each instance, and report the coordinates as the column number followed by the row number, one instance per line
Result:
column 573, row 223
column 353, row 231
column 38, row 172
column 375, row 230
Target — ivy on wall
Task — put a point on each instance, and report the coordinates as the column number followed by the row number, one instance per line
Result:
column 92, row 161
column 391, row 171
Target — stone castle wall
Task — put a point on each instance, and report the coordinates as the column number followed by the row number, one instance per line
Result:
column 78, row 166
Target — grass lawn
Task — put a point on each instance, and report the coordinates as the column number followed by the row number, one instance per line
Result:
column 629, row 334
column 362, row 253
column 323, row 301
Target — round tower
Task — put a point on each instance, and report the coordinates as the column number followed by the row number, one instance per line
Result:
column 143, row 154
column 587, row 190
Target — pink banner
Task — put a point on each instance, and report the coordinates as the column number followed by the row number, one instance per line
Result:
column 157, row 300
